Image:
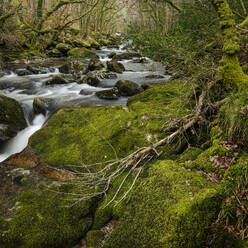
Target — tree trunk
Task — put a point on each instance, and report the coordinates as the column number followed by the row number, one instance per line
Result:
column 230, row 70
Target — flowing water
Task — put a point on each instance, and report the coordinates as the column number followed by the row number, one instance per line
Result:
column 25, row 88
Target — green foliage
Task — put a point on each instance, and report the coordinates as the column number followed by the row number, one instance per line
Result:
column 185, row 47
column 233, row 118
column 234, row 209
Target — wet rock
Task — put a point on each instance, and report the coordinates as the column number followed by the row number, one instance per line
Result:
column 95, row 64
column 42, row 105
column 140, row 61
column 23, row 72
column 115, row 66
column 128, row 88
column 36, row 69
column 90, row 78
column 85, row 92
column 111, row 55
column 11, row 118
column 112, row 94
column 76, row 68
column 80, row 53
column 123, row 56
column 154, row 76
column 63, row 48
column 107, row 75
column 56, row 80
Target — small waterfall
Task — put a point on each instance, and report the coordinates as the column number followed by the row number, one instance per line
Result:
column 20, row 141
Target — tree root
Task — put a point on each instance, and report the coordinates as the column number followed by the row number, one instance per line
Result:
column 97, row 184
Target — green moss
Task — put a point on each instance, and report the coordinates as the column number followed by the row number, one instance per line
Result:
column 75, row 136
column 104, row 213
column 11, row 117
column 80, row 53
column 203, row 161
column 233, row 118
column 94, row 238
column 43, row 220
column 189, row 155
column 171, row 208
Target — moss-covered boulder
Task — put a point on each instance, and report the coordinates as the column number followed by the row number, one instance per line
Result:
column 128, row 88
column 11, row 118
column 112, row 94
column 44, row 219
column 56, row 80
column 74, row 67
column 90, row 78
column 80, row 53
column 115, row 66
column 171, row 208
column 75, row 136
column 95, row 64
column 127, row 55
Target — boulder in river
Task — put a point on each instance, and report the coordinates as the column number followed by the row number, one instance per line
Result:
column 11, row 118
column 140, row 60
column 36, row 69
column 112, row 94
column 127, row 55
column 90, row 78
column 111, row 55
column 128, row 88
column 56, row 80
column 154, row 76
column 23, row 72
column 95, row 64
column 75, row 67
column 80, row 53
column 42, row 105
column 115, row 66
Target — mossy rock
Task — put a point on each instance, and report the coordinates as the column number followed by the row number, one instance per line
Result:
column 171, row 208
column 56, row 80
column 63, row 48
column 205, row 160
column 75, row 136
column 11, row 118
column 42, row 219
column 115, row 66
column 112, row 94
column 128, row 88
column 80, row 53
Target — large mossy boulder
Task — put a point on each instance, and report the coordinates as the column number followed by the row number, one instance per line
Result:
column 91, row 78
column 80, row 53
column 172, row 207
column 115, row 66
column 128, row 88
column 11, row 118
column 75, row 136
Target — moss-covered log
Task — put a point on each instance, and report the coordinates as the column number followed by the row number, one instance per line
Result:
column 230, row 69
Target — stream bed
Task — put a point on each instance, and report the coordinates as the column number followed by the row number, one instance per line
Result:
column 25, row 88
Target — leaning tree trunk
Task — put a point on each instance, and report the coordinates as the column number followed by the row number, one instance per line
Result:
column 230, row 69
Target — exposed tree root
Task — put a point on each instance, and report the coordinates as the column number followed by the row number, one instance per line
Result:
column 97, row 184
